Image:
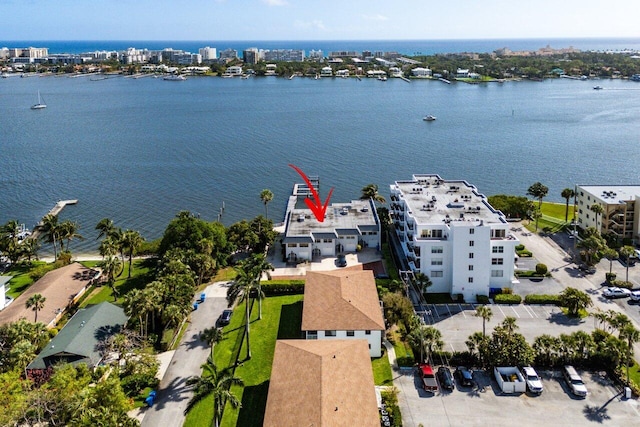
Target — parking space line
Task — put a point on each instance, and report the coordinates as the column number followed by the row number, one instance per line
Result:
column 500, row 308
column 434, row 309
column 515, row 312
column 529, row 311
column 447, row 305
column 462, row 311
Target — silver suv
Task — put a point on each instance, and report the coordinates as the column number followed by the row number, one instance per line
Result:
column 575, row 383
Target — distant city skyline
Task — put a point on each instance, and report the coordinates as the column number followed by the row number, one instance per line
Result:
column 306, row 20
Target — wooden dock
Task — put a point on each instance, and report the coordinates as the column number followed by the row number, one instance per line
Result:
column 54, row 211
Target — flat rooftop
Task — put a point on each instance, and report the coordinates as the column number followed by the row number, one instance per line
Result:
column 433, row 200
column 612, row 194
column 355, row 215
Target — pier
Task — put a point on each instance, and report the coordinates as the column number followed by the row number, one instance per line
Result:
column 54, row 211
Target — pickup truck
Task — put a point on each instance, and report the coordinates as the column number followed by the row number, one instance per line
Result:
column 427, row 377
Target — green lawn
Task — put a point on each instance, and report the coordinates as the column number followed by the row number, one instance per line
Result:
column 382, row 374
column 21, row 280
column 141, row 275
column 552, row 217
column 281, row 319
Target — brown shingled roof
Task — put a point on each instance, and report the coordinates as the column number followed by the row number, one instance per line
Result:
column 59, row 287
column 321, row 383
column 341, row 300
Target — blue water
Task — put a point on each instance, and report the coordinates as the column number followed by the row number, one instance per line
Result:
column 139, row 151
column 406, row 47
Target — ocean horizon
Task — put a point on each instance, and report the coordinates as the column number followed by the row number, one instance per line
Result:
column 405, row 47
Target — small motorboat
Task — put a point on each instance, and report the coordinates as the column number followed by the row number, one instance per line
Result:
column 597, row 87
column 429, row 118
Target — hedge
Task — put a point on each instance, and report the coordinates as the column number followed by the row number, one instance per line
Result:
column 542, row 299
column 283, row 287
column 507, row 299
column 482, row 299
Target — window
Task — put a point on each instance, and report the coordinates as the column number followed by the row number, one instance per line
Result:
column 437, row 261
column 327, row 241
column 499, row 233
column 367, row 332
column 471, row 242
column 470, row 267
column 437, row 273
column 472, row 230
column 497, row 249
column 436, row 249
column 292, row 245
column 329, row 333
column 470, row 280
column 470, row 255
column 497, row 261
column 497, row 273
column 350, row 333
column 437, row 234
column 304, row 245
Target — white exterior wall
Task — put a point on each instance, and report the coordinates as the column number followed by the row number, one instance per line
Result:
column 326, row 249
column 3, row 299
column 303, row 252
column 374, row 339
column 371, row 240
column 348, row 243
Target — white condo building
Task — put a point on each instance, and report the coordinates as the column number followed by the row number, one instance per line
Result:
column 448, row 231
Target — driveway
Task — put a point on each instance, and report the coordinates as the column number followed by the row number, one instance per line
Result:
column 172, row 397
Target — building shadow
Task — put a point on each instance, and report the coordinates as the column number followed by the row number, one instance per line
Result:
column 290, row 321
column 254, row 404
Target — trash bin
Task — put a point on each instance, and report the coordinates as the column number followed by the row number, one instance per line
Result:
column 195, row 305
column 202, row 297
column 627, row 392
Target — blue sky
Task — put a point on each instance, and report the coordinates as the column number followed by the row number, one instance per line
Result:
column 314, row 20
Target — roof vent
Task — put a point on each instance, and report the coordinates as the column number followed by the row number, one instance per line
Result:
column 301, row 218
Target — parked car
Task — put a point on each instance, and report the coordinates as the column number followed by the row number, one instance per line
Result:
column 445, row 378
column 635, row 296
column 427, row 378
column 575, row 383
column 534, row 383
column 225, row 317
column 616, row 293
column 341, row 261
column 464, row 376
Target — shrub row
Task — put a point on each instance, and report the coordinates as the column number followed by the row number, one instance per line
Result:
column 542, row 299
column 283, row 287
column 482, row 299
column 507, row 299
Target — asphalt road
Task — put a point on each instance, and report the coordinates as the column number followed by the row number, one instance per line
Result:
column 172, row 397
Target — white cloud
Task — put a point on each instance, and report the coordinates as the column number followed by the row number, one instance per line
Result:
column 377, row 17
column 315, row 24
column 275, row 2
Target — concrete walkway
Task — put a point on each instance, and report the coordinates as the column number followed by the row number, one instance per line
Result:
column 173, row 395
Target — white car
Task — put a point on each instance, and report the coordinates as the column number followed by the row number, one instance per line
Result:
column 534, row 383
column 616, row 293
column 635, row 296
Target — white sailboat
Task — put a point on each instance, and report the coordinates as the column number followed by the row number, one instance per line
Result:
column 40, row 104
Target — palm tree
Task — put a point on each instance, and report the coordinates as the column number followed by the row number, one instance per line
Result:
column 109, row 266
column 423, row 281
column 539, row 191
column 216, row 383
column 427, row 338
column 370, row 191
column 68, row 232
column 626, row 252
column 546, row 348
column 211, row 336
column 106, row 227
column 598, row 210
column 567, row 194
column 477, row 342
column 610, row 254
column 109, row 247
column 240, row 290
column 259, row 265
column 50, row 231
column 132, row 306
column 36, row 303
column 266, row 196
column 575, row 300
column 632, row 335
column 486, row 314
column 130, row 242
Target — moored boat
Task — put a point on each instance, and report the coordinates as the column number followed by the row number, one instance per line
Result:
column 429, row 118
column 175, row 78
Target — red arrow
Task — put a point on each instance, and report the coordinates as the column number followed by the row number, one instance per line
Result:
column 318, row 208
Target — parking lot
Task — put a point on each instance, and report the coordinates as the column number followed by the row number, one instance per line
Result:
column 485, row 404
column 457, row 322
